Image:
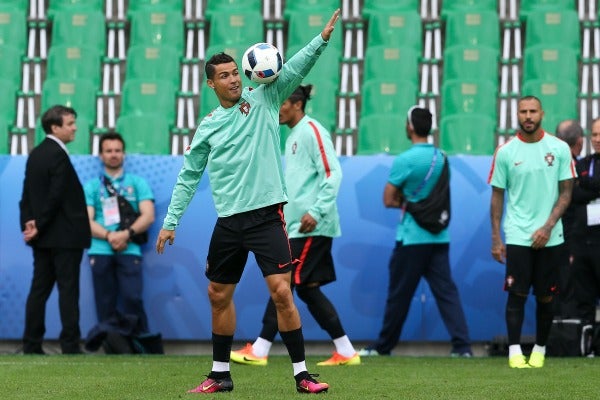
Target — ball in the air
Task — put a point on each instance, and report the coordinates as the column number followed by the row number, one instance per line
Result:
column 262, row 63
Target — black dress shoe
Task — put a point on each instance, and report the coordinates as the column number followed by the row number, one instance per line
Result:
column 76, row 350
column 34, row 350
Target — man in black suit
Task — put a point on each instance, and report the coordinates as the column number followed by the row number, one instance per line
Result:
column 55, row 224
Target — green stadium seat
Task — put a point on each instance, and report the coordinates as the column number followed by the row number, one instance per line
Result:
column 322, row 105
column 81, row 144
column 382, row 133
column 390, row 6
column 136, row 5
column 303, row 6
column 149, row 96
column 145, row 134
column 468, row 5
column 326, row 68
column 471, row 62
column 553, row 27
column 469, row 96
column 79, row 28
column 473, row 28
column 236, row 28
column 399, row 28
column 529, row 7
column 213, row 6
column 394, row 63
column 157, row 27
column 68, row 62
column 10, row 64
column 22, row 5
column 13, row 27
column 550, row 62
column 56, row 6
column 559, row 100
column 303, row 26
column 382, row 96
column 4, row 136
column 468, row 134
column 79, row 94
column 153, row 62
column 8, row 100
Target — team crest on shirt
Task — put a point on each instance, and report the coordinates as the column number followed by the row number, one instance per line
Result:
column 549, row 159
column 245, row 108
column 294, row 148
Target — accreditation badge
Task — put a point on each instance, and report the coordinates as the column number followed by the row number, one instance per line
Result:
column 593, row 213
column 110, row 211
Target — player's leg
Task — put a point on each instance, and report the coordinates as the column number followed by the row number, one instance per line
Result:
column 257, row 353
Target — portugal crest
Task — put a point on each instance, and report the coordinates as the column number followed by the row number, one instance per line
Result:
column 549, row 159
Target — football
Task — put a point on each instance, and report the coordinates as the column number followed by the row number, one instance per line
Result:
column 262, row 63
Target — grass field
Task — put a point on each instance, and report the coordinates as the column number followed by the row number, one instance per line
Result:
column 168, row 377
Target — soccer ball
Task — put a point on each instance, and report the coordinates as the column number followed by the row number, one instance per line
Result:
column 262, row 63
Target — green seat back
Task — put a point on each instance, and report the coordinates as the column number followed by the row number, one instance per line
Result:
column 399, row 28
column 473, row 28
column 394, row 63
column 322, row 105
column 4, row 136
column 149, row 96
column 157, row 27
column 382, row 133
column 10, row 64
column 468, row 5
column 304, row 25
column 136, row 5
column 382, row 96
column 551, row 62
column 8, row 99
column 71, row 61
column 213, row 6
column 153, row 62
column 145, row 134
column 236, row 28
column 327, row 66
column 553, row 27
column 529, row 7
column 57, row 6
column 469, row 96
column 13, row 27
column 371, row 6
column 471, row 62
column 559, row 100
column 468, row 134
column 79, row 27
column 79, row 94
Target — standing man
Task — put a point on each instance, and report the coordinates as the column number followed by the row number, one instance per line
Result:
column 55, row 225
column 313, row 176
column 585, row 238
column 239, row 143
column 115, row 259
column 537, row 171
column 419, row 253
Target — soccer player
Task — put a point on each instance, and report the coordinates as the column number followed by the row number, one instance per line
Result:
column 239, row 143
column 313, row 175
column 536, row 169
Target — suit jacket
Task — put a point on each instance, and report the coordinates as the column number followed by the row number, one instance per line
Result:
column 53, row 197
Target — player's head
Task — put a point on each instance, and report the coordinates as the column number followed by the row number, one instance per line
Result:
column 112, row 150
column 292, row 109
column 530, row 114
column 418, row 121
column 223, row 77
column 571, row 132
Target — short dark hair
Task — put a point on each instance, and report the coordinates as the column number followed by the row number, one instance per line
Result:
column 530, row 97
column 302, row 93
column 569, row 131
column 54, row 116
column 421, row 121
column 111, row 136
column 216, row 59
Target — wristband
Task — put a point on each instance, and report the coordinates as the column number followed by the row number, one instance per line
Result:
column 131, row 232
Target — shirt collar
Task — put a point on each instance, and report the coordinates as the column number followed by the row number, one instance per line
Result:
column 60, row 142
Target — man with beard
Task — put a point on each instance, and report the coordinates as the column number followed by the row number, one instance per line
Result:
column 537, row 171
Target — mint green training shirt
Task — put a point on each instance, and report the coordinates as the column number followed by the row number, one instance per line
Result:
column 313, row 176
column 240, row 146
column 529, row 173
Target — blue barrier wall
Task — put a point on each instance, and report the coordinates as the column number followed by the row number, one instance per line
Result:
column 175, row 285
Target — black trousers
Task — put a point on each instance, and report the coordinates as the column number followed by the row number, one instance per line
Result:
column 50, row 266
column 586, row 276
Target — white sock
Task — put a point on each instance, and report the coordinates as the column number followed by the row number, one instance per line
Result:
column 261, row 347
column 514, row 350
column 299, row 367
column 539, row 349
column 220, row 366
column 344, row 346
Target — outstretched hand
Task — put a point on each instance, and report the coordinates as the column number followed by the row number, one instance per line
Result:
column 326, row 34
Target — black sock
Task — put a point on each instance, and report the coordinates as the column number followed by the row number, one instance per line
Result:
column 221, row 347
column 515, row 311
column 269, row 329
column 302, row 375
column 544, row 315
column 219, row 375
column 322, row 310
column 294, row 341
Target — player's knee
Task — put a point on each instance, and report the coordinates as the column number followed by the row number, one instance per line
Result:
column 219, row 295
column 516, row 300
column 308, row 294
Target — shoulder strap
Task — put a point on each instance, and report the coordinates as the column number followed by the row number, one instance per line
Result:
column 109, row 187
column 429, row 173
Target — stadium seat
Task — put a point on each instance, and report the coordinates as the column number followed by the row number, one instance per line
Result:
column 391, row 6
column 145, row 134
column 68, row 62
column 4, row 136
column 79, row 28
column 473, row 28
column 528, row 7
column 550, row 62
column 79, row 94
column 553, row 27
column 326, row 68
column 469, row 96
column 303, row 26
column 13, row 27
column 400, row 28
column 10, row 64
column 468, row 5
column 559, row 100
column 468, row 134
column 69, row 5
column 150, row 27
column 136, row 5
column 153, row 62
column 382, row 133
column 213, row 6
column 236, row 28
column 9, row 89
column 322, row 105
column 382, row 96
column 471, row 62
column 22, row 5
column 149, row 96
column 394, row 63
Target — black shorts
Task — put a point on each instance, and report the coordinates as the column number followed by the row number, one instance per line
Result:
column 527, row 267
column 261, row 232
column 312, row 260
